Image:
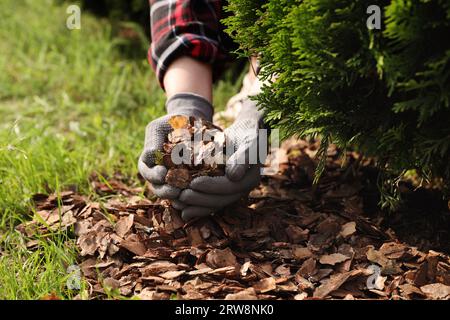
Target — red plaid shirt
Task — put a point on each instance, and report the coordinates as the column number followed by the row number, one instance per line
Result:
column 187, row 27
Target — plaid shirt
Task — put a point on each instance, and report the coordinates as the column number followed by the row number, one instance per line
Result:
column 190, row 28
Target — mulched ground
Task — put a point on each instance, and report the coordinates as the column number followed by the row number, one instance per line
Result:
column 288, row 240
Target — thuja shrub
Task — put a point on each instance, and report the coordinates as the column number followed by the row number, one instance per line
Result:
column 385, row 92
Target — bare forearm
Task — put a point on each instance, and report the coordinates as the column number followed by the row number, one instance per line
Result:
column 187, row 75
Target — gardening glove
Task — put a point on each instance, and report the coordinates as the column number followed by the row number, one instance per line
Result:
column 207, row 195
column 156, row 133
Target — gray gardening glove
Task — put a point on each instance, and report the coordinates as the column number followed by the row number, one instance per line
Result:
column 186, row 104
column 207, row 195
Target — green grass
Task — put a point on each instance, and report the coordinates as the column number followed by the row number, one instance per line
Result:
column 70, row 105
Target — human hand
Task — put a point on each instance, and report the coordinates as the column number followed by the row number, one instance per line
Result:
column 156, row 135
column 207, row 195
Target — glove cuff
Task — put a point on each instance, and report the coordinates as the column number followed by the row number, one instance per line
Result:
column 190, row 104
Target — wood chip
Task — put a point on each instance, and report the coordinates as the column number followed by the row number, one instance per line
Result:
column 224, row 270
column 393, row 250
column 178, row 178
column 124, row 225
column 301, row 296
column 247, row 294
column 436, row 291
column 265, row 285
column 179, row 122
column 172, row 274
column 333, row 283
column 302, row 253
column 348, row 229
column 333, row 258
column 308, row 268
column 135, row 247
column 200, row 271
column 218, row 258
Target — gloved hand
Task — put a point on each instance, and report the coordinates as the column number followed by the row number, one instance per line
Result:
column 207, row 195
column 186, row 104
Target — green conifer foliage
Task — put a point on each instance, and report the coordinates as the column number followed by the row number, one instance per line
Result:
column 385, row 92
